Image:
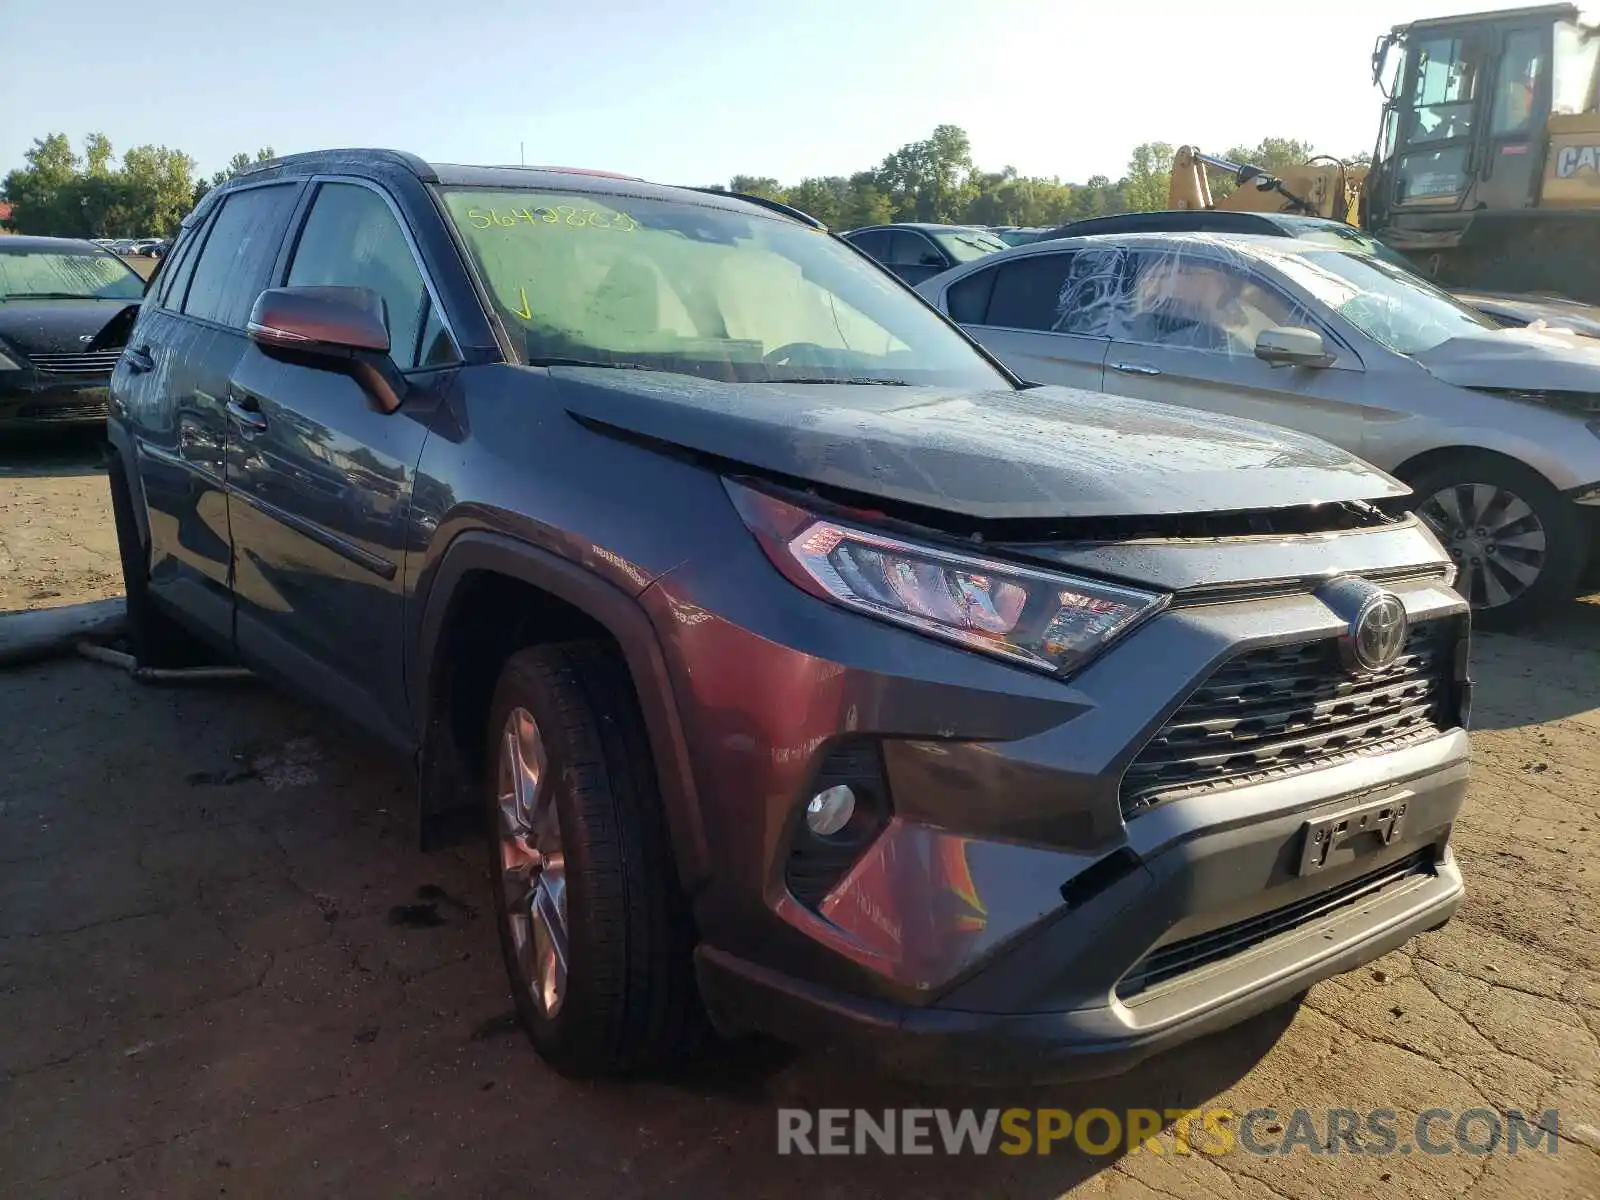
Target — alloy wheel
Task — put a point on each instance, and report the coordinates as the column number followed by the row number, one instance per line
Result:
column 533, row 872
column 1494, row 536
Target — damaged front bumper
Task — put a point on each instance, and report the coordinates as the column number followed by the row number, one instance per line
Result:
column 31, row 399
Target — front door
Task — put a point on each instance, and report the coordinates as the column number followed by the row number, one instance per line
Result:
column 320, row 479
column 1519, row 110
column 914, row 257
column 1187, row 336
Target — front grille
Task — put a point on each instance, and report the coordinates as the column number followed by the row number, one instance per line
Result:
column 1180, row 958
column 98, row 362
column 1286, row 709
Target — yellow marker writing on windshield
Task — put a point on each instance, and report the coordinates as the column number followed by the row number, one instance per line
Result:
column 525, row 312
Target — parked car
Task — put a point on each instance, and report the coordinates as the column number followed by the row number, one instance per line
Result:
column 1495, row 429
column 916, row 251
column 1507, row 311
column 877, row 699
column 60, row 304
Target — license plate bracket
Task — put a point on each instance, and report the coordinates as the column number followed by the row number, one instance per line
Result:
column 1378, row 822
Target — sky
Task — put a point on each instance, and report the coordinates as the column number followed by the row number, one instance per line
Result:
column 694, row 91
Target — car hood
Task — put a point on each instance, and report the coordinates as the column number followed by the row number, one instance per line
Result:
column 1554, row 312
column 1517, row 360
column 56, row 326
column 1045, row 452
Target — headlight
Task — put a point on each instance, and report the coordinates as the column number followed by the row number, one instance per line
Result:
column 1041, row 619
column 8, row 362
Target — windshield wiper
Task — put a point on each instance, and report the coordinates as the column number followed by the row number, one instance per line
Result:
column 584, row 362
column 836, row 379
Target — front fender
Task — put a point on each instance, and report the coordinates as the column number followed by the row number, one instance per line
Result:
column 622, row 616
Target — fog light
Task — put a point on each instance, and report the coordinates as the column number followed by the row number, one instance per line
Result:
column 830, row 810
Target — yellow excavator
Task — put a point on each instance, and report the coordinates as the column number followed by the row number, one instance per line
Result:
column 1486, row 173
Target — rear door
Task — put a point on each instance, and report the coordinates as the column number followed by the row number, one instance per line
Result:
column 172, row 384
column 1037, row 314
column 1187, row 336
column 320, row 479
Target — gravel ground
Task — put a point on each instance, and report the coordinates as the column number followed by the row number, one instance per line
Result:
column 224, row 969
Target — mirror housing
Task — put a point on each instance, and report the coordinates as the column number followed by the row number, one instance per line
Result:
column 1293, row 347
column 331, row 326
column 321, row 319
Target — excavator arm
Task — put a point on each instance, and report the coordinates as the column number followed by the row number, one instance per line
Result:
column 1320, row 188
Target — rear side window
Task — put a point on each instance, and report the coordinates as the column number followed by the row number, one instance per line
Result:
column 172, row 276
column 352, row 238
column 1027, row 292
column 968, row 299
column 238, row 254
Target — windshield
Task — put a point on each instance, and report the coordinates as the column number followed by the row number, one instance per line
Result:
column 964, row 245
column 1348, row 237
column 1391, row 305
column 693, row 289
column 66, row 275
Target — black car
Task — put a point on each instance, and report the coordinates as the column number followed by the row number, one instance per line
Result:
column 916, row 251
column 809, row 672
column 60, row 333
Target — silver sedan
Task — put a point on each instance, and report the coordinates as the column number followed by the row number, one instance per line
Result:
column 1497, row 431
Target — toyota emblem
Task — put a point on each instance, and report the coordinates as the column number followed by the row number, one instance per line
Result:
column 1376, row 624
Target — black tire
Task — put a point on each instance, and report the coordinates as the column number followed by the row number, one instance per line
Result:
column 154, row 638
column 1566, row 545
column 630, row 1003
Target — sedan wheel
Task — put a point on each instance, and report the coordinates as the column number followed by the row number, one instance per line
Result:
column 1518, row 544
column 1495, row 537
column 533, row 872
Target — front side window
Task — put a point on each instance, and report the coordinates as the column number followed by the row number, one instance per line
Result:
column 1446, row 91
column 1187, row 301
column 699, row 289
column 352, row 238
column 1394, row 307
column 908, row 248
column 874, row 243
column 238, row 254
column 65, row 275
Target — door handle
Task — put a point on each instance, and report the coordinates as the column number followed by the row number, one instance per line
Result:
column 140, row 359
column 1134, row 368
column 247, row 413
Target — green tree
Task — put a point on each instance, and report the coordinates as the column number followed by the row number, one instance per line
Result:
column 757, row 185
column 930, row 180
column 1149, row 177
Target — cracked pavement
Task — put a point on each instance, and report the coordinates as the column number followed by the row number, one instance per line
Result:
column 224, row 968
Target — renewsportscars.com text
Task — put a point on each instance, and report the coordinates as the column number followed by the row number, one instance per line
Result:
column 1377, row 1132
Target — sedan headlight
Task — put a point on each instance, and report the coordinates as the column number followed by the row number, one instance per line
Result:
column 8, row 362
column 1052, row 622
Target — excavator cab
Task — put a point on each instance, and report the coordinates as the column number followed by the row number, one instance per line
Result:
column 1490, row 122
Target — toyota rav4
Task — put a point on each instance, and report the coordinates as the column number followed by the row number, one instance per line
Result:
column 813, row 674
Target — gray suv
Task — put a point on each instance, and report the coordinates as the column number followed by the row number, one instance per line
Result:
column 872, row 697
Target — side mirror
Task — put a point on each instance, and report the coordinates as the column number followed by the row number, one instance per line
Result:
column 1294, row 347
column 333, row 327
column 323, row 319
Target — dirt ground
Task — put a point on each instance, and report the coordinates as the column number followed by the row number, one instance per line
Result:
column 224, row 969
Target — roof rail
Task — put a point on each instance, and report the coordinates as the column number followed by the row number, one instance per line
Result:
column 804, row 218
column 330, row 158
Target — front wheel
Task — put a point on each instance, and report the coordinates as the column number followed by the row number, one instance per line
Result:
column 595, row 930
column 1518, row 544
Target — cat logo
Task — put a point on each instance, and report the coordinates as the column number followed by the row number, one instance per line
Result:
column 1577, row 160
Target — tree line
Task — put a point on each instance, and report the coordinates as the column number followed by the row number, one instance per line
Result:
column 61, row 192
column 66, row 193
column 936, row 180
